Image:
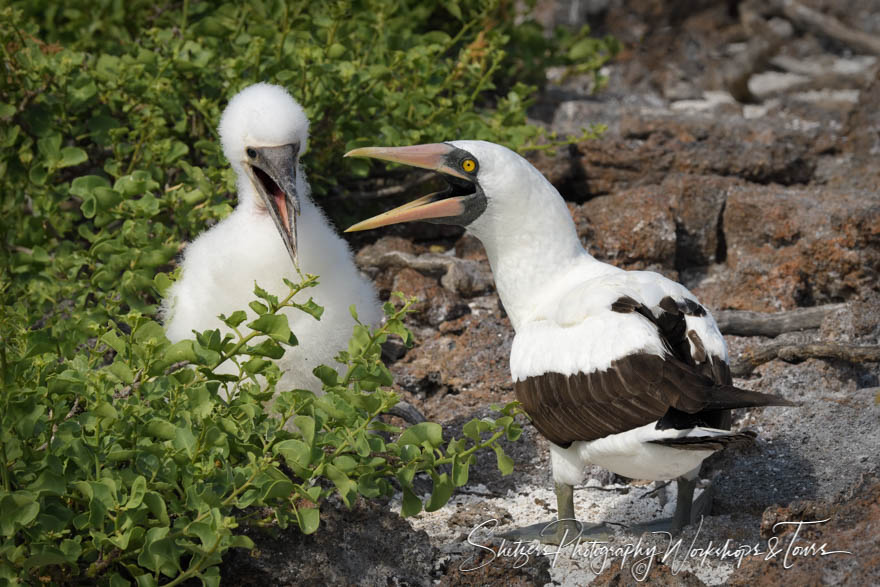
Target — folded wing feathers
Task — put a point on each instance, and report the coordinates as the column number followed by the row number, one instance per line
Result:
column 679, row 390
column 712, row 443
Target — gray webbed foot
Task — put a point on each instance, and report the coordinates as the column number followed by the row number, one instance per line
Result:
column 687, row 510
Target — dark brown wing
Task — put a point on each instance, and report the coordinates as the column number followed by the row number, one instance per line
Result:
column 636, row 389
column 686, row 346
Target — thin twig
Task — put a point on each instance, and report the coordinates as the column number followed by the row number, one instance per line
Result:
column 69, row 415
column 126, row 391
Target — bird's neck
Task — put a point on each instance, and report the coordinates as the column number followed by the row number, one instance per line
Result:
column 535, row 257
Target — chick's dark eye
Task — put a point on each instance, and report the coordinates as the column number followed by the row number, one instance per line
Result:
column 251, row 153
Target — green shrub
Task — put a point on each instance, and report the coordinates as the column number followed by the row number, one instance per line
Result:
column 120, row 460
column 137, row 468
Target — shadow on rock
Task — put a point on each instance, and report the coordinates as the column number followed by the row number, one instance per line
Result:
column 367, row 545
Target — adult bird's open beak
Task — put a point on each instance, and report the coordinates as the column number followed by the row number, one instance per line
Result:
column 273, row 172
column 441, row 205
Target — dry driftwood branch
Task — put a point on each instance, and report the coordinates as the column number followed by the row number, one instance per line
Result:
column 787, row 351
column 743, row 323
column 812, row 20
column 831, row 350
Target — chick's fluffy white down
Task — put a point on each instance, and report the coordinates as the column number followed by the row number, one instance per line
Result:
column 218, row 274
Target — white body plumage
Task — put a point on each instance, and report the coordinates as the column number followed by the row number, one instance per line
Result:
column 220, row 267
column 562, row 313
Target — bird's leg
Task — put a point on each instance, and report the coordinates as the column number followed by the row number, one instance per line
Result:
column 565, row 529
column 687, row 510
column 683, row 502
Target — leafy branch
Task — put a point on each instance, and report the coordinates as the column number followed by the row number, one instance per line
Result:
column 149, row 466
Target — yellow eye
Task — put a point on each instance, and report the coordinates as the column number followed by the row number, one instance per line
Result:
column 469, row 165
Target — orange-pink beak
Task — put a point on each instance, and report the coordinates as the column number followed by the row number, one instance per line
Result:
column 431, row 156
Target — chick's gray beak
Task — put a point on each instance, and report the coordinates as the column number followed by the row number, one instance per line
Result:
column 273, row 171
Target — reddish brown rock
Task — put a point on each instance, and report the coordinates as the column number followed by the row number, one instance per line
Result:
column 860, row 142
column 461, row 369
column 698, row 203
column 652, row 145
column 659, row 575
column 436, row 304
column 851, row 526
column 795, row 247
column 633, row 229
column 484, row 569
column 470, row 248
column 383, row 280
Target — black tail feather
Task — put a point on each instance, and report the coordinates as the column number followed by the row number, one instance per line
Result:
column 708, row 442
column 728, row 397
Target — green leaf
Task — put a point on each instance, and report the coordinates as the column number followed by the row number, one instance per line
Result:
column 267, row 348
column 345, row 463
column 306, row 426
column 184, row 440
column 441, row 492
column 296, row 452
column 263, row 294
column 86, row 184
column 138, row 491
column 411, row 504
column 161, row 429
column 429, row 432
column 347, row 488
column 308, row 519
column 460, row 469
column 106, row 411
column 49, row 556
column 17, row 510
column 157, row 507
column 505, row 463
column 454, row 9
column 71, row 156
column 280, row 488
column 359, row 341
column 328, row 376
column 235, row 318
column 368, row 487
column 179, row 351
column 256, row 365
column 114, row 342
column 159, row 553
column 50, row 147
column 49, row 483
column 273, row 325
column 311, row 308
column 135, row 184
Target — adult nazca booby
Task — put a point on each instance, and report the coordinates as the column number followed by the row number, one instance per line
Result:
column 623, row 369
column 274, row 228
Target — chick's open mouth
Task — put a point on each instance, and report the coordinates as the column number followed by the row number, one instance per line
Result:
column 277, row 195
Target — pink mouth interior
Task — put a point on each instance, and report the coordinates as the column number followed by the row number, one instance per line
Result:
column 277, row 194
